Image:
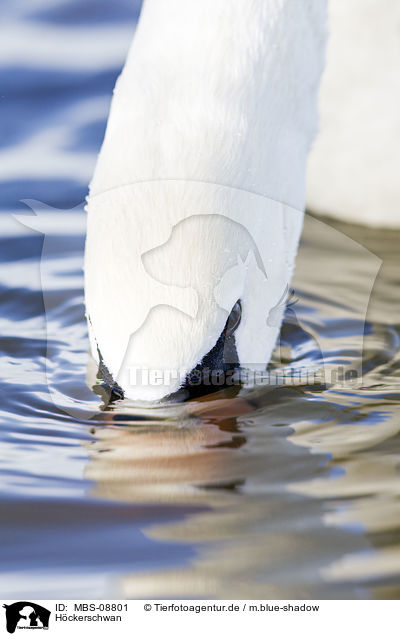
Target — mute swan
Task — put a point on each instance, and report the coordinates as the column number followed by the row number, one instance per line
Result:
column 201, row 180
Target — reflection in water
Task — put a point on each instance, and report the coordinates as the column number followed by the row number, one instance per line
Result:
column 238, row 463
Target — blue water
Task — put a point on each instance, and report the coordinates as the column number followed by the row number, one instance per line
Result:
column 285, row 491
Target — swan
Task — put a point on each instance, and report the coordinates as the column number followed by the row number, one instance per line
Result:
column 196, row 204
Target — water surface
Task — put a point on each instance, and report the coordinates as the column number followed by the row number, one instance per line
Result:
column 288, row 491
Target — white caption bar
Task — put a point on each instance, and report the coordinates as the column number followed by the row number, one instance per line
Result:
column 198, row 616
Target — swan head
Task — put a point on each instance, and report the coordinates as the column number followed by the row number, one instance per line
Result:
column 178, row 303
